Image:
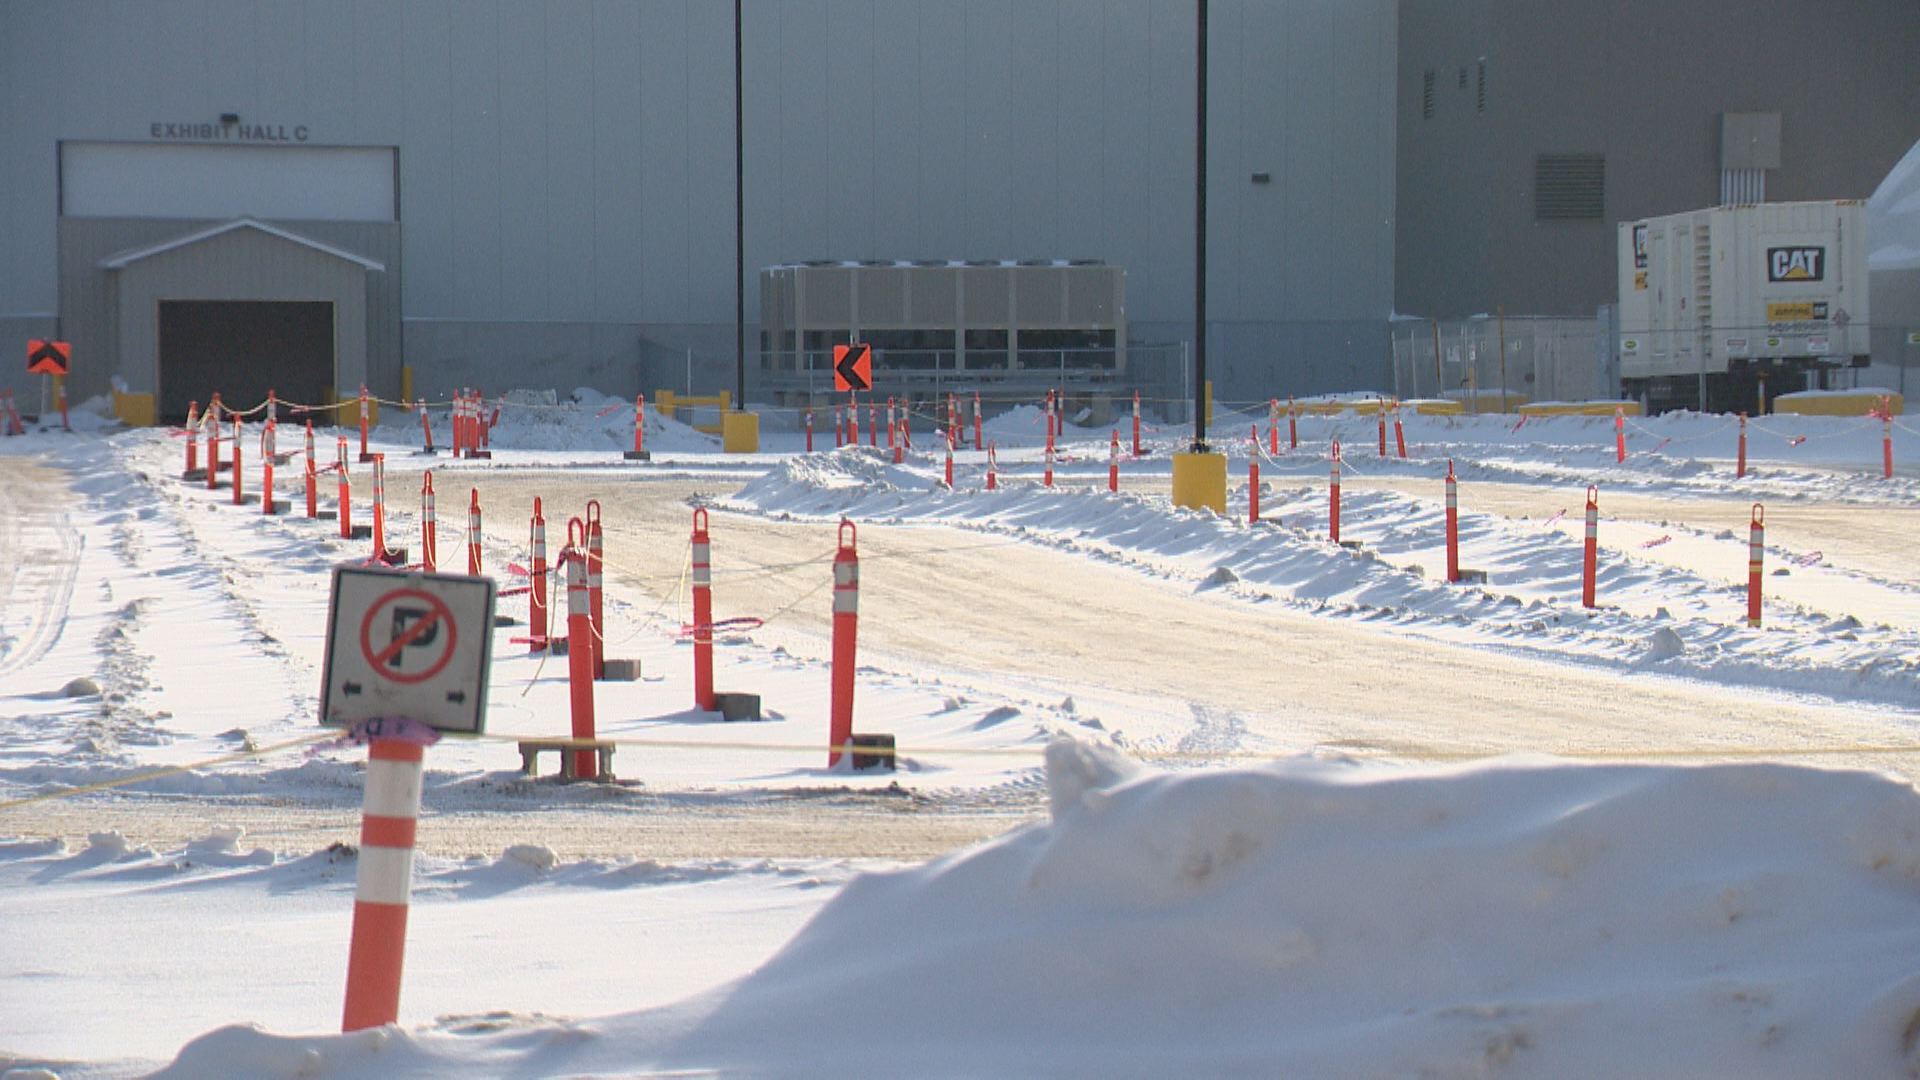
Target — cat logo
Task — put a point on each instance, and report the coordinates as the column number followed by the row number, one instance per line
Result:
column 1796, row 264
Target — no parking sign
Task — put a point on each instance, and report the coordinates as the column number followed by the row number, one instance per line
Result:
column 412, row 646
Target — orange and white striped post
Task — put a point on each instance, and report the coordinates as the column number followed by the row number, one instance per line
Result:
column 1619, row 435
column 893, row 422
column 839, row 426
column 1048, row 479
column 1756, row 558
column 993, row 466
column 702, row 613
column 429, row 525
column 1253, row 483
column 1453, row 526
column 211, row 421
column 1589, row 560
column 473, row 532
column 377, row 952
column 1399, row 433
column 1136, row 423
column 193, row 438
column 580, row 649
column 853, row 419
column 239, row 481
column 345, row 493
column 846, row 632
column 269, row 447
column 365, row 419
column 273, row 405
column 639, row 451
column 809, row 431
column 1333, row 496
column 954, row 430
column 898, row 440
column 426, row 428
column 1740, row 464
column 978, row 443
column 873, row 424
column 537, row 582
column 380, row 507
column 313, row 477
column 1886, row 439
column 1293, row 426
column 596, row 598
column 1273, row 425
column 1113, row 463
column 949, row 474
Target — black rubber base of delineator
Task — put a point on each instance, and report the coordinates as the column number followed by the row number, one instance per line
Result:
column 279, row 507
column 425, row 453
column 195, row 474
column 882, row 760
column 359, row 532
column 1472, row 577
column 638, row 455
column 737, row 706
column 479, row 455
column 505, row 620
column 613, row 670
column 1352, row 545
column 369, row 456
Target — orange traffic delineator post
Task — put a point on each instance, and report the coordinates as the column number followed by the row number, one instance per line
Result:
column 239, row 478
column 1399, row 434
column 1333, row 496
column 873, row 424
column 853, row 419
column 978, row 442
column 429, row 525
column 273, row 405
column 953, row 420
column 1886, row 439
column 377, row 953
column 211, row 421
column 345, row 495
column 381, row 552
column 949, row 474
column 846, row 631
column 458, row 423
column 993, row 465
column 313, row 477
column 473, row 532
column 193, row 439
column 809, row 431
column 1273, row 426
column 702, row 613
column 1590, row 559
column 1619, row 435
column 426, row 431
column 1113, row 463
column 1253, row 483
column 482, row 448
column 537, row 582
column 1756, row 557
column 1048, row 479
column 1293, row 426
column 596, row 611
column 1740, row 464
column 839, row 426
column 1453, row 526
column 579, row 648
column 269, row 449
column 893, row 422
column 640, row 451
column 1136, row 423
column 898, row 440
column 365, row 454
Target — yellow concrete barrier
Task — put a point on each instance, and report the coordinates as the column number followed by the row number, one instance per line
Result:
column 1581, row 408
column 1434, row 407
column 740, row 432
column 134, row 410
column 1200, row 481
column 1838, row 403
column 666, row 402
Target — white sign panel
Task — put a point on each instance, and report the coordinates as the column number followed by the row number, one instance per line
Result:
column 408, row 646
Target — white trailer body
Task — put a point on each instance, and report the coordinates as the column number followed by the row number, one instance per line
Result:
column 1728, row 296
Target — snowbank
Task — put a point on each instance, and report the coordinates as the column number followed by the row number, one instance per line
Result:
column 1308, row 918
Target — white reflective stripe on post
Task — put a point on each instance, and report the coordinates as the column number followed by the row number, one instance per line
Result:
column 386, row 875
column 393, row 789
column 576, row 583
column 1453, row 497
column 703, row 565
column 846, row 588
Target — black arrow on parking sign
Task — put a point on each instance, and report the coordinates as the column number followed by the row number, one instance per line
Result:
column 853, row 367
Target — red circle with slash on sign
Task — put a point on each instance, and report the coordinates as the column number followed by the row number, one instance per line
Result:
column 418, row 620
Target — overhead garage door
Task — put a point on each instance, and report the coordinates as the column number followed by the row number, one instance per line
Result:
column 243, row 348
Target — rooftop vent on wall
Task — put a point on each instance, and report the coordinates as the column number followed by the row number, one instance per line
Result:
column 1570, row 187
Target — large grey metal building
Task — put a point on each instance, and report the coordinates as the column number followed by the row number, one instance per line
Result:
column 542, row 193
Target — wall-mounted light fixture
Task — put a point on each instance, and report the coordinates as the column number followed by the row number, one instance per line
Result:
column 229, row 118
column 1262, row 178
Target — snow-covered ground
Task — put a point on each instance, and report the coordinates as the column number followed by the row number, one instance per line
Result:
column 1216, row 818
